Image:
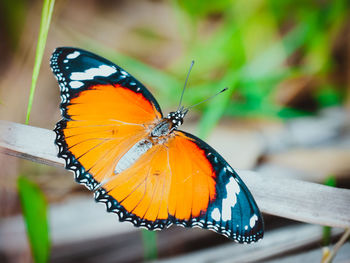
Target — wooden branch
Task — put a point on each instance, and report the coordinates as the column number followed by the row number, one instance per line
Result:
column 298, row 200
column 276, row 243
column 28, row 142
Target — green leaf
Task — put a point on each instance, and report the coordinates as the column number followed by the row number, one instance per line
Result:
column 328, row 95
column 204, row 7
column 330, row 181
column 32, row 200
column 44, row 29
column 149, row 239
column 34, row 209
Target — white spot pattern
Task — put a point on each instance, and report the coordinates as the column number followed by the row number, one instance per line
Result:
column 215, row 214
column 232, row 190
column 76, row 84
column 89, row 74
column 73, row 55
column 253, row 220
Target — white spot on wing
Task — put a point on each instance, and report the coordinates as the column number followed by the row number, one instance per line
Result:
column 230, row 169
column 103, row 71
column 253, row 220
column 73, row 55
column 76, row 84
column 232, row 190
column 215, row 214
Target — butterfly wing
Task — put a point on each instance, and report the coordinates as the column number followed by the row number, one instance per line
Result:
column 231, row 210
column 184, row 181
column 105, row 112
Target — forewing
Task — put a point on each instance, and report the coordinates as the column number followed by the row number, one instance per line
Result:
column 105, row 112
column 77, row 70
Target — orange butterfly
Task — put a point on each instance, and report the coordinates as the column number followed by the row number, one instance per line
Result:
column 115, row 139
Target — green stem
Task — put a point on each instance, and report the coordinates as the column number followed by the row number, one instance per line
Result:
column 44, row 29
column 149, row 239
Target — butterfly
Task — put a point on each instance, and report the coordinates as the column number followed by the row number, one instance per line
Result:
column 115, row 138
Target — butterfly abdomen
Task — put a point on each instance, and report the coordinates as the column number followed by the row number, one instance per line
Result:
column 132, row 155
column 158, row 135
column 161, row 129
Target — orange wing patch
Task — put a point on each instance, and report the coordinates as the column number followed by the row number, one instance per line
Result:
column 143, row 189
column 108, row 102
column 106, row 121
column 172, row 179
column 193, row 179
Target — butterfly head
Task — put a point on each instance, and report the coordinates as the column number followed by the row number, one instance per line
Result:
column 177, row 117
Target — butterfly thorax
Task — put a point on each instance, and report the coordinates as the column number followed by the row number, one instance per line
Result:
column 161, row 131
column 176, row 118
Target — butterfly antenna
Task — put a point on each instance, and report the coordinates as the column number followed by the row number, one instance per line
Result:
column 211, row 97
column 183, row 90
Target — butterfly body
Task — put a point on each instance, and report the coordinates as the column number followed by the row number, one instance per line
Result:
column 162, row 129
column 158, row 133
column 113, row 136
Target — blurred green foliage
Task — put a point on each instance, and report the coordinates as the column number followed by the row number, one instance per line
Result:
column 34, row 209
column 249, row 51
column 149, row 240
column 12, row 16
column 249, row 46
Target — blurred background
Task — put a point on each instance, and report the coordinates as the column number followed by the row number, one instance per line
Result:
column 286, row 112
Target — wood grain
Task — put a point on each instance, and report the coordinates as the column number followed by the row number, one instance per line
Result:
column 28, row 142
column 276, row 243
column 293, row 199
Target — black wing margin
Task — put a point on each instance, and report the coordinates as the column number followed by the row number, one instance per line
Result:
column 234, row 212
column 77, row 70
